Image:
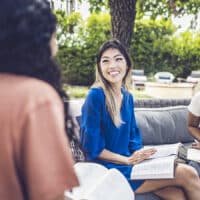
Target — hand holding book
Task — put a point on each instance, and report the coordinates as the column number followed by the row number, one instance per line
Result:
column 140, row 155
column 190, row 153
column 196, row 145
column 193, row 153
column 158, row 165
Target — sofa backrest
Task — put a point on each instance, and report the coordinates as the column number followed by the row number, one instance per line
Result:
column 163, row 125
column 159, row 120
column 76, row 104
column 157, row 103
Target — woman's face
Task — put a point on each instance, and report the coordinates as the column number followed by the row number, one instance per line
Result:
column 53, row 45
column 113, row 66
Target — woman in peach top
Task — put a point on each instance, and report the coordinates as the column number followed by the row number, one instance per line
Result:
column 35, row 158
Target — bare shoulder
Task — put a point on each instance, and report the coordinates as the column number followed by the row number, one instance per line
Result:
column 42, row 91
column 32, row 90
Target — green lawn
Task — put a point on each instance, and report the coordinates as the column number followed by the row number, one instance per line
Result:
column 81, row 92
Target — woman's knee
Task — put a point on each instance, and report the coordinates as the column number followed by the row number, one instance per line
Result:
column 171, row 193
column 185, row 173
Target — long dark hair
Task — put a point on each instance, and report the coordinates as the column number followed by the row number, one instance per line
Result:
column 113, row 44
column 26, row 28
column 100, row 81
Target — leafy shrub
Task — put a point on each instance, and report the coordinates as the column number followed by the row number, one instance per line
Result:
column 154, row 47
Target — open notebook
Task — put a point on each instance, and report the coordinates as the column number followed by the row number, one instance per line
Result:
column 99, row 183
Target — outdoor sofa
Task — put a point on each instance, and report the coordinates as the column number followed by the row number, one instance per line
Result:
column 161, row 121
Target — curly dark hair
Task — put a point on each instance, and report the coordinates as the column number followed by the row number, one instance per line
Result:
column 26, row 28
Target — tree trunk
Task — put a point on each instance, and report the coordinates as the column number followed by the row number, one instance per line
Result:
column 70, row 6
column 123, row 14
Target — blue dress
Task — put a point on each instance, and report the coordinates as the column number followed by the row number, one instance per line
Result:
column 98, row 132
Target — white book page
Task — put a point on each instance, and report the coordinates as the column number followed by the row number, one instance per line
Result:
column 164, row 150
column 112, row 186
column 154, row 168
column 88, row 174
column 193, row 154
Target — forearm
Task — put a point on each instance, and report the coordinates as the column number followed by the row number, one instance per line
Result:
column 113, row 157
column 193, row 125
column 135, row 158
column 195, row 132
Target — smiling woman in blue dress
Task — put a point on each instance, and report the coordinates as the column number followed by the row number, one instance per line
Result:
column 109, row 133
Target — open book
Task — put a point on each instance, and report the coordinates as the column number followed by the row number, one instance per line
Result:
column 193, row 154
column 161, row 165
column 99, row 183
column 187, row 153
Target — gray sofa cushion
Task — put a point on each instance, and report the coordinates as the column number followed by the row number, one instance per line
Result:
column 157, row 103
column 163, row 125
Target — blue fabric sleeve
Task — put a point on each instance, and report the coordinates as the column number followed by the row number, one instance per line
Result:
column 92, row 139
column 135, row 141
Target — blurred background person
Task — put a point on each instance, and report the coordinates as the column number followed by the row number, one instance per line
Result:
column 193, row 121
column 35, row 158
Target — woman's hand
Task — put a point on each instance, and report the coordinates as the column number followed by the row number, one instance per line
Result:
column 196, row 145
column 140, row 155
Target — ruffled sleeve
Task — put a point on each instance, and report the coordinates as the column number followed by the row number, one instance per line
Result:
column 135, row 141
column 92, row 138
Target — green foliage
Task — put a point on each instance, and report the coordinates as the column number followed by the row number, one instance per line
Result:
column 154, row 8
column 148, row 49
column 81, row 92
column 97, row 31
column 165, row 8
column 68, row 27
column 187, row 51
column 154, row 47
column 76, row 91
column 77, row 52
column 97, row 5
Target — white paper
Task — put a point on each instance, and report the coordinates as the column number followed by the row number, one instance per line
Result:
column 99, row 183
column 159, row 168
column 193, row 154
column 164, row 150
